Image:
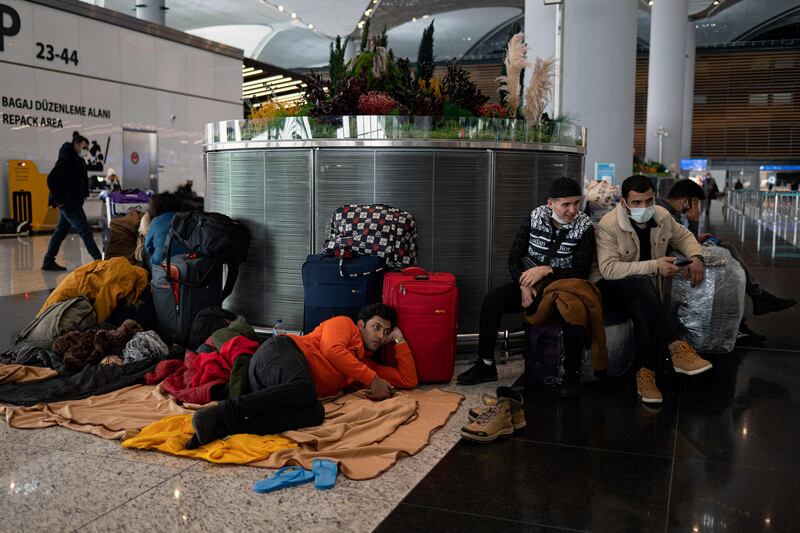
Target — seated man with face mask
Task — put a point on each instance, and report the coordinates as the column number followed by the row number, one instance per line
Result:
column 632, row 241
column 556, row 241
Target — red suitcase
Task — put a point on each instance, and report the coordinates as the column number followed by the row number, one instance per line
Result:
column 427, row 310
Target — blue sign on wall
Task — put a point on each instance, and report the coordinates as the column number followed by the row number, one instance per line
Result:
column 694, row 165
column 779, row 167
column 604, row 171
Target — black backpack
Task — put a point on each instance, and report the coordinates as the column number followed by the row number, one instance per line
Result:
column 211, row 235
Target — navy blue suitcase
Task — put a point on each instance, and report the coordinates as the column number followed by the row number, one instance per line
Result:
column 329, row 292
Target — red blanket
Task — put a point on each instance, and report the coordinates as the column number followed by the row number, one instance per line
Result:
column 191, row 380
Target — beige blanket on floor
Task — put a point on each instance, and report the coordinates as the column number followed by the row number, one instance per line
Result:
column 116, row 415
column 366, row 438
column 18, row 373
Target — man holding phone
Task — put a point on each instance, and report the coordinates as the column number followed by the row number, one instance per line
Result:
column 632, row 243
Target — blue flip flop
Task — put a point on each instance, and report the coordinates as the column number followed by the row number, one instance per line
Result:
column 324, row 473
column 288, row 476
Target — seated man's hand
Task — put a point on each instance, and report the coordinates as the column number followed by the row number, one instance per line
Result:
column 534, row 275
column 394, row 335
column 703, row 237
column 667, row 268
column 527, row 296
column 696, row 271
column 379, row 388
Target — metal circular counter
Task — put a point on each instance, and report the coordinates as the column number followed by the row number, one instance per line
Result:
column 468, row 199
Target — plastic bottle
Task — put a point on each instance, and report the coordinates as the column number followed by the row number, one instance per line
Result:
column 277, row 329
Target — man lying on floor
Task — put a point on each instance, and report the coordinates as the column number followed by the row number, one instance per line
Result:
column 289, row 372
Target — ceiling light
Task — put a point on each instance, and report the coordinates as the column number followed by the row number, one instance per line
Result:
column 375, row 1
column 368, row 12
column 425, row 16
column 310, row 26
column 716, row 2
column 280, row 8
column 361, row 24
column 650, row 3
column 294, row 15
column 413, row 19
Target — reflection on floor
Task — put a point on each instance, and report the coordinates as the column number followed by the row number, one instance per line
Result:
column 721, row 454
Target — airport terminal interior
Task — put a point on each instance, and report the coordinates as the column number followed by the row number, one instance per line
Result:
column 400, row 265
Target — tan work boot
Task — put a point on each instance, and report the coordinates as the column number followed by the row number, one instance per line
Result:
column 490, row 424
column 646, row 386
column 685, row 359
column 517, row 411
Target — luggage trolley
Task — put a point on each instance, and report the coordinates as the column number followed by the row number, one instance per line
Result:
column 118, row 203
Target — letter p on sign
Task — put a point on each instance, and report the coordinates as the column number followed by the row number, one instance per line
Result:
column 9, row 24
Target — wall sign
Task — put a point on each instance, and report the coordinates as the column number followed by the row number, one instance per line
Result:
column 135, row 158
column 605, row 171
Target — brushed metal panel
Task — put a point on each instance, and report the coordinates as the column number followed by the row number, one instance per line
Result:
column 218, row 182
column 246, row 204
column 288, row 232
column 342, row 177
column 404, row 179
column 551, row 166
column 575, row 168
column 461, row 227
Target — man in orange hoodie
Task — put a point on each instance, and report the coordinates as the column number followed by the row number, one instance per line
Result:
column 289, row 372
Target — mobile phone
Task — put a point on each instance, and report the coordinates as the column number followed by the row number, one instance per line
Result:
column 682, row 262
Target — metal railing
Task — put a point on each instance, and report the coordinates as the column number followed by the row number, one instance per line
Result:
column 778, row 212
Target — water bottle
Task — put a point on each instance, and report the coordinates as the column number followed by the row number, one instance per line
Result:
column 277, row 329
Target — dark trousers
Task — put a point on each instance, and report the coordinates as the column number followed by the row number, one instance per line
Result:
column 71, row 217
column 283, row 395
column 636, row 297
column 751, row 286
column 508, row 299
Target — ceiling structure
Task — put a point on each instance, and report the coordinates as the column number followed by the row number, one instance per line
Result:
column 296, row 34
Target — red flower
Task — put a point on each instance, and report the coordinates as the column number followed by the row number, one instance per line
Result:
column 376, row 103
column 493, row 111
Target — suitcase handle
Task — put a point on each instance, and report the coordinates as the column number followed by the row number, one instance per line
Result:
column 419, row 272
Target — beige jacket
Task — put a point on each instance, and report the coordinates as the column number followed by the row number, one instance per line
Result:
column 618, row 244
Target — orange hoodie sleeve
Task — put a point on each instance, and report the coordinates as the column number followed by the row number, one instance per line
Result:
column 399, row 369
column 339, row 338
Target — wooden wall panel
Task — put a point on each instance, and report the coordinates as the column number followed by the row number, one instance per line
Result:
column 746, row 104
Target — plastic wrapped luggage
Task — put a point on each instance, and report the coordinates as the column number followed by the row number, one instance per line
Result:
column 708, row 316
column 327, row 292
column 621, row 346
column 427, row 312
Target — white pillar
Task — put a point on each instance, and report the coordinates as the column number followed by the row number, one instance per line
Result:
column 666, row 75
column 151, row 11
column 599, row 71
column 688, row 92
column 540, row 35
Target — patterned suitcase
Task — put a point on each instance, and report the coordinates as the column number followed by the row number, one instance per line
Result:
column 427, row 311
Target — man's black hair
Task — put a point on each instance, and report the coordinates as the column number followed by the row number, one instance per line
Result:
column 77, row 138
column 636, row 183
column 380, row 310
column 686, row 189
column 165, row 202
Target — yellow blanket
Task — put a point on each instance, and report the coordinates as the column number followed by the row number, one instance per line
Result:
column 171, row 433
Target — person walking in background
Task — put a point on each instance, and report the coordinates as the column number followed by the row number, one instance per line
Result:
column 711, row 191
column 68, row 183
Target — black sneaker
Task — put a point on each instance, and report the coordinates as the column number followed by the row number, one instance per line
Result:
column 767, row 303
column 749, row 334
column 54, row 267
column 480, row 372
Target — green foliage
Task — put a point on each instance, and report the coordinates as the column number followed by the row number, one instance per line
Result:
column 425, row 54
column 365, row 35
column 459, row 90
column 387, row 80
column 452, row 110
column 515, row 29
column 337, row 69
column 384, row 40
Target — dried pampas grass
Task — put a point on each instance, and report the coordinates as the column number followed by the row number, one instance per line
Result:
column 515, row 62
column 538, row 93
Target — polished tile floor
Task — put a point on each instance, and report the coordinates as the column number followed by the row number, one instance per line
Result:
column 721, row 455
